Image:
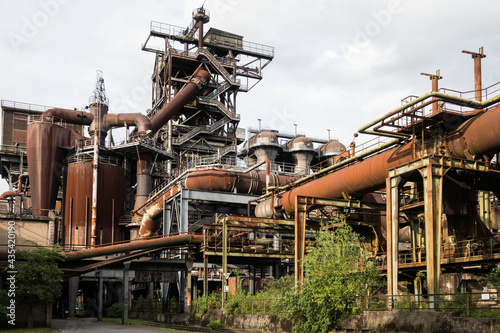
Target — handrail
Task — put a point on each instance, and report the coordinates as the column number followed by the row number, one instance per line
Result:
column 436, row 97
column 200, row 129
column 218, row 104
column 46, row 119
column 25, row 106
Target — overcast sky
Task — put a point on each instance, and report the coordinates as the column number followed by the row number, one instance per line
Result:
column 337, row 65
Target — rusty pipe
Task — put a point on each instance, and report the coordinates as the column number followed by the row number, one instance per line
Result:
column 144, row 184
column 10, row 194
column 478, row 136
column 150, row 222
column 268, row 174
column 69, row 116
column 174, row 107
column 176, row 240
column 211, row 180
column 227, row 181
column 139, row 120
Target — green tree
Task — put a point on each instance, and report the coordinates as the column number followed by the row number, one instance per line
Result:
column 38, row 279
column 493, row 277
column 336, row 274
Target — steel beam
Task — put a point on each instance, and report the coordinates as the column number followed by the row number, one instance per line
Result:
column 217, row 196
column 485, row 208
column 393, row 184
column 433, row 184
column 300, row 238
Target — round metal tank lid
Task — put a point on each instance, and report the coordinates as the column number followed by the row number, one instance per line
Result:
column 332, row 148
column 300, row 143
column 264, row 138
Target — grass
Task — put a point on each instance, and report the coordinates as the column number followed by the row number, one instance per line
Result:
column 138, row 322
column 29, row 330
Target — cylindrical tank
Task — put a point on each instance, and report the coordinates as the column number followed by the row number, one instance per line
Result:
column 78, row 202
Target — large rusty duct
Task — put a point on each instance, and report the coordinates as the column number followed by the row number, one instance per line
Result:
column 48, row 142
column 477, row 136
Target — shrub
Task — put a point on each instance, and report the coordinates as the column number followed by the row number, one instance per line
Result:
column 114, row 311
column 201, row 305
column 215, row 325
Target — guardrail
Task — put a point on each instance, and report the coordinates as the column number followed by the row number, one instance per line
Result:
column 459, row 303
column 25, row 106
column 49, row 120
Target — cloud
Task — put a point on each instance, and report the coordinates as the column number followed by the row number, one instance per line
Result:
column 338, row 64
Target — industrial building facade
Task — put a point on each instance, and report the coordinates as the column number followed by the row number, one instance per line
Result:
column 188, row 196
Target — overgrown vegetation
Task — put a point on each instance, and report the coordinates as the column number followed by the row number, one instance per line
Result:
column 114, row 311
column 38, row 279
column 215, row 325
column 336, row 274
column 4, row 303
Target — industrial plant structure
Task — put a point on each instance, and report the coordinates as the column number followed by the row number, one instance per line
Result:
column 188, row 196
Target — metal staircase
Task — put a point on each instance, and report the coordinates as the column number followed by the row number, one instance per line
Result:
column 199, row 224
column 220, row 89
column 219, row 105
column 200, row 129
column 203, row 52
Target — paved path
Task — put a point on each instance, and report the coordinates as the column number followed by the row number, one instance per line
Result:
column 90, row 325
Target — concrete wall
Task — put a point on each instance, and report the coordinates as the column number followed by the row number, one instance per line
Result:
column 369, row 321
column 235, row 322
column 419, row 322
column 39, row 231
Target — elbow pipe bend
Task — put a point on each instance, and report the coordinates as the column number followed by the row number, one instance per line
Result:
column 70, row 116
column 139, row 120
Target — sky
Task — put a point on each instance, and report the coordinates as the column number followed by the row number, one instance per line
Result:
column 337, row 66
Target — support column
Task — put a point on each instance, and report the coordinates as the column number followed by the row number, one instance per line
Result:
column 181, row 286
column 300, row 239
column 195, row 290
column 184, row 209
column 433, row 181
column 151, row 295
column 485, row 208
column 224, row 258
column 100, row 297
column 188, row 287
column 251, row 280
column 73, row 293
column 125, row 293
column 392, row 231
column 167, row 226
column 167, row 217
column 205, row 274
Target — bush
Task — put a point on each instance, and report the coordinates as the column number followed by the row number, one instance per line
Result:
column 4, row 302
column 201, row 305
column 114, row 311
column 139, row 305
column 458, row 305
column 215, row 325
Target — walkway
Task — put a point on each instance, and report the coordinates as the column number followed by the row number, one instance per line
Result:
column 90, row 325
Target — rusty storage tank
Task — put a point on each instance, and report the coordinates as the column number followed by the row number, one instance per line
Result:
column 111, row 198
